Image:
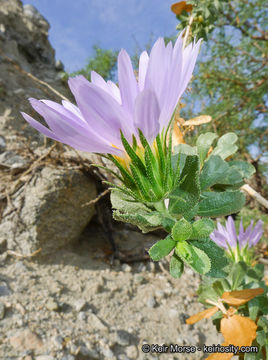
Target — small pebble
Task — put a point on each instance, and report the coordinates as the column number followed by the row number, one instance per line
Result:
column 79, row 305
column 81, row 316
column 126, row 268
column 2, row 144
column 52, row 305
column 58, row 341
column 68, row 357
column 132, row 352
column 151, row 303
column 107, row 352
column 151, row 266
column 2, row 310
column 122, row 337
column 4, row 289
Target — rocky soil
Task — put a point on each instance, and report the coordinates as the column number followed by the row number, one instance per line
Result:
column 76, row 305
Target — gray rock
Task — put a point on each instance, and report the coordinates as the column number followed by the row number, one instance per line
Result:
column 2, row 144
column 151, row 302
column 79, row 305
column 2, row 310
column 4, row 289
column 58, row 341
column 87, row 354
column 107, row 352
column 3, row 245
column 59, row 65
column 31, row 12
column 123, row 337
column 68, row 357
column 51, row 213
column 12, row 160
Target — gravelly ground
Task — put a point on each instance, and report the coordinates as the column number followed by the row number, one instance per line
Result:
column 75, row 305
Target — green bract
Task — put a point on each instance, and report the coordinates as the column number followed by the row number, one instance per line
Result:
column 168, row 190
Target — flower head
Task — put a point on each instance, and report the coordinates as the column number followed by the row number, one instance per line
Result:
column 104, row 109
column 237, row 245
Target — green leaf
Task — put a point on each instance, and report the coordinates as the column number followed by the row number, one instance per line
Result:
column 131, row 153
column 246, row 169
column 217, row 171
column 219, row 261
column 126, row 204
column 152, row 174
column 261, row 338
column 256, row 273
column 186, row 195
column 237, row 274
column 221, row 203
column 182, row 230
column 232, row 177
column 203, row 144
column 218, row 287
column 162, row 248
column 129, row 181
column 193, row 256
column 185, row 149
column 202, row 229
column 161, row 154
column 263, row 323
column 226, row 146
column 176, row 266
column 254, row 356
column 141, row 185
column 167, row 223
column 145, row 221
column 254, row 308
column 207, row 291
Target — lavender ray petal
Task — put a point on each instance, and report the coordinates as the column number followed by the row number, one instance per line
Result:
column 143, row 66
column 173, row 83
column 230, row 226
column 73, row 108
column 67, row 114
column 241, row 230
column 156, row 74
column 147, row 113
column 219, row 239
column 39, row 127
column 102, row 111
column 127, row 81
column 109, row 87
column 256, row 234
column 70, row 132
column 114, row 90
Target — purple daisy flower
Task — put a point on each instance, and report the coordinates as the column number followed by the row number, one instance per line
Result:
column 237, row 245
column 104, row 109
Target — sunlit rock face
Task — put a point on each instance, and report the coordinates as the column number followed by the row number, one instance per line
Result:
column 45, row 207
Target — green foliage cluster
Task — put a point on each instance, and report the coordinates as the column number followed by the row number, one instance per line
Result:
column 205, row 186
column 231, row 83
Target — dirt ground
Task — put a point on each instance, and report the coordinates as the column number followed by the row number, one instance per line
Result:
column 78, row 304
